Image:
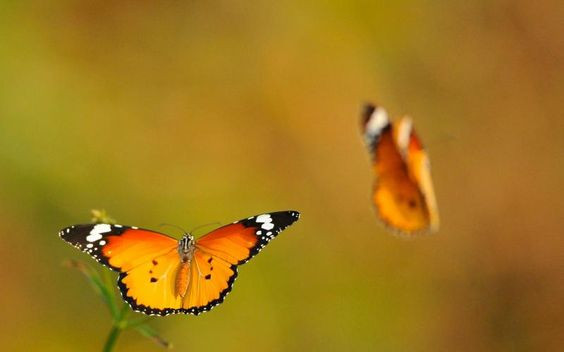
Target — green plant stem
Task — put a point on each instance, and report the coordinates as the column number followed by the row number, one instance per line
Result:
column 118, row 326
column 112, row 338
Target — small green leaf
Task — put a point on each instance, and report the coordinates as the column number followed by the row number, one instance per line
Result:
column 148, row 332
column 109, row 285
column 97, row 283
column 137, row 322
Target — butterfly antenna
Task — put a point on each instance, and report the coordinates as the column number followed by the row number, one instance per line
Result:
column 175, row 226
column 204, row 225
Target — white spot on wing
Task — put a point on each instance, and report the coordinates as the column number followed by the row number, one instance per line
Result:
column 266, row 221
column 267, row 226
column 97, row 231
column 377, row 121
column 264, row 218
column 404, row 131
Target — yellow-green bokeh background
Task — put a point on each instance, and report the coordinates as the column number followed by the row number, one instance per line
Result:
column 200, row 111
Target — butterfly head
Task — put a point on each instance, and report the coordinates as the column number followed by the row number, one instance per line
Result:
column 186, row 247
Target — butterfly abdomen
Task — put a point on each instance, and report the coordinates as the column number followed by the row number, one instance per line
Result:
column 182, row 279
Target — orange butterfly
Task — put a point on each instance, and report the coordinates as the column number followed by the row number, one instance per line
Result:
column 159, row 275
column 403, row 190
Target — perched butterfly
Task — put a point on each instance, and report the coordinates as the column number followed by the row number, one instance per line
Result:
column 160, row 275
column 403, row 190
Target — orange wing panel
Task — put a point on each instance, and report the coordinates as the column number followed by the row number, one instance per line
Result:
column 398, row 200
column 232, row 243
column 134, row 247
column 211, row 279
column 150, row 286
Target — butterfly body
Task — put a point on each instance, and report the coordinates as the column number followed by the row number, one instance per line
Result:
column 159, row 275
column 185, row 253
column 403, row 191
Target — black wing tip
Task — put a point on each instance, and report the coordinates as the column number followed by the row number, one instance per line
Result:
column 282, row 219
column 266, row 232
column 73, row 230
column 291, row 212
column 73, row 235
column 366, row 112
column 64, row 233
column 83, row 229
column 294, row 214
column 291, row 215
column 77, row 236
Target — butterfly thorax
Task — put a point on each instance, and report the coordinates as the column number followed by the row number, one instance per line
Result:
column 185, row 251
column 186, row 248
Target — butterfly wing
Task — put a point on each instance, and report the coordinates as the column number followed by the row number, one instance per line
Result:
column 419, row 169
column 211, row 279
column 150, row 287
column 218, row 254
column 403, row 193
column 146, row 260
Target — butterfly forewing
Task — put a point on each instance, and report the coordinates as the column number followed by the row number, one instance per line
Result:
column 238, row 242
column 119, row 247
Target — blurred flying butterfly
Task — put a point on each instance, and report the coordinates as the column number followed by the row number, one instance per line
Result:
column 160, row 275
column 403, row 191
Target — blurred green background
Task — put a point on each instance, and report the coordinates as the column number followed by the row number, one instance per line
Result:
column 193, row 112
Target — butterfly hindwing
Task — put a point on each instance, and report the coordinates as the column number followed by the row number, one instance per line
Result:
column 150, row 287
column 403, row 192
column 211, row 279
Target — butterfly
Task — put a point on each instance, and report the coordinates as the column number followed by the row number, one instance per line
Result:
column 403, row 190
column 160, row 275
